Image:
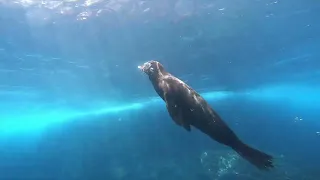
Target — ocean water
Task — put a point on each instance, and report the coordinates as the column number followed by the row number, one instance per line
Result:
column 74, row 105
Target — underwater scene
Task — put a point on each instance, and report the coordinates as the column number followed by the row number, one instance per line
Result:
column 159, row 90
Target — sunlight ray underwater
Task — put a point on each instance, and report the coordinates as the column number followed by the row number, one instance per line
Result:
column 39, row 118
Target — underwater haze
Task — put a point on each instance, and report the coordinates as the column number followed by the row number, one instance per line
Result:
column 75, row 106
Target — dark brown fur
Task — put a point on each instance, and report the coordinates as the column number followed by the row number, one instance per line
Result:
column 187, row 108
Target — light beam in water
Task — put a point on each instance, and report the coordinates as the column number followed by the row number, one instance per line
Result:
column 291, row 96
column 42, row 117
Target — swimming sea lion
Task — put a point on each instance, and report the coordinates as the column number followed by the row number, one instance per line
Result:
column 187, row 108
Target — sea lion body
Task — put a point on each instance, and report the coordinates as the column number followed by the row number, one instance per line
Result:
column 187, row 108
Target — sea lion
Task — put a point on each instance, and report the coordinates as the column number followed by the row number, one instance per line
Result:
column 187, row 108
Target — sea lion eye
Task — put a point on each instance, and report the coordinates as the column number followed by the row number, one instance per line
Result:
column 151, row 69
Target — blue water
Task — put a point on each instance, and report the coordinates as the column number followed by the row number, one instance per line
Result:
column 74, row 105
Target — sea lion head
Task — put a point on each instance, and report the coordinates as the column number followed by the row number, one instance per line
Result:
column 152, row 68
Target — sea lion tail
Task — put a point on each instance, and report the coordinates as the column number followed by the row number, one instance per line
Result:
column 259, row 159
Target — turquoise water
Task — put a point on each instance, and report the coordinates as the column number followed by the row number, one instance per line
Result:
column 74, row 105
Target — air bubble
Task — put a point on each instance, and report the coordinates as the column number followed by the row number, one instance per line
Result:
column 298, row 119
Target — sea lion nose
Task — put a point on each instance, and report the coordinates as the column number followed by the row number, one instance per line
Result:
column 144, row 66
column 141, row 67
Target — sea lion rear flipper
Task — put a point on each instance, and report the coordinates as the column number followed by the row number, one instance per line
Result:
column 175, row 111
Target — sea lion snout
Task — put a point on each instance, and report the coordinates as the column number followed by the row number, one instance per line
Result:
column 149, row 67
column 145, row 66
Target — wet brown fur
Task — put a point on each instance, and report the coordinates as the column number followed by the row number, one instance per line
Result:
column 187, row 108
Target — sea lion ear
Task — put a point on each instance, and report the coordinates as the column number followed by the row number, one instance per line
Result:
column 151, row 69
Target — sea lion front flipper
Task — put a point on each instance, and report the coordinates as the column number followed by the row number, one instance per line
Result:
column 175, row 111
